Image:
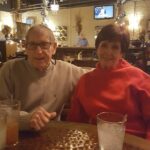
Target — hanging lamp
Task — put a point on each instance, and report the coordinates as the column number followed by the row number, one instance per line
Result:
column 54, row 6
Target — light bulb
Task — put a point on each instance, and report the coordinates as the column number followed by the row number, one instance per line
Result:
column 54, row 7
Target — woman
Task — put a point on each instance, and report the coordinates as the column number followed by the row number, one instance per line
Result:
column 114, row 86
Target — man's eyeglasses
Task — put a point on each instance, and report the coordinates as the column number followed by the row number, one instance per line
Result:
column 43, row 45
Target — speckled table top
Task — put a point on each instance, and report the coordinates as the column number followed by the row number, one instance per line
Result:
column 70, row 136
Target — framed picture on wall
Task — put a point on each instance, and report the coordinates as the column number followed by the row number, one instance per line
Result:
column 30, row 20
column 22, row 29
column 62, row 30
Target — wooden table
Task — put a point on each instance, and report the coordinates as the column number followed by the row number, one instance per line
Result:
column 64, row 135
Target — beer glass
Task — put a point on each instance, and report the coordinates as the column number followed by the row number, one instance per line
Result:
column 12, row 108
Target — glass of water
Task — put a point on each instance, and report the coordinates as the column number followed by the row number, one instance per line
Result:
column 111, row 130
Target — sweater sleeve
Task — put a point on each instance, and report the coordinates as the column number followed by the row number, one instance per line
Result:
column 24, row 119
column 6, row 90
column 144, row 97
column 77, row 113
column 5, row 81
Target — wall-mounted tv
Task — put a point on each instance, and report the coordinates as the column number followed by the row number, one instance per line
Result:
column 104, row 12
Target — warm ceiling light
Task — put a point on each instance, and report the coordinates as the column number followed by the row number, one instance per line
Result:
column 54, row 6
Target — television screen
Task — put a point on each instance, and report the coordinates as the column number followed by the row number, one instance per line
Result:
column 104, row 12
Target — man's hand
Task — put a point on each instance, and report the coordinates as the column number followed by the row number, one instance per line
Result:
column 40, row 117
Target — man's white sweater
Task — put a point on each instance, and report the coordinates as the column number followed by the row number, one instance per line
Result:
column 50, row 89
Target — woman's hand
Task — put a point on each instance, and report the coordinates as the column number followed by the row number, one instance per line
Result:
column 40, row 117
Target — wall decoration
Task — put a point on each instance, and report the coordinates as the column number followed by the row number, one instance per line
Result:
column 22, row 29
column 120, row 12
column 78, row 20
column 6, row 31
column 61, row 33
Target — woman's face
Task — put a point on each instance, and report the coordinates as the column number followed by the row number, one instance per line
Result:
column 109, row 53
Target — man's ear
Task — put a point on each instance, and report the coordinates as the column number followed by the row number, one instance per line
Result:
column 54, row 48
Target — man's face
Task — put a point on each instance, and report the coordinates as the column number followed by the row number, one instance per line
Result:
column 109, row 53
column 40, row 49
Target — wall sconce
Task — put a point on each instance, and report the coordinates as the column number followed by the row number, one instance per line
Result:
column 54, row 6
column 134, row 21
column 134, row 25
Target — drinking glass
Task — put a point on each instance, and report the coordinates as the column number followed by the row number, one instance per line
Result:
column 3, row 122
column 12, row 109
column 111, row 130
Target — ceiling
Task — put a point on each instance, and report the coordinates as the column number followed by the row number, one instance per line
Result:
column 66, row 3
column 25, row 5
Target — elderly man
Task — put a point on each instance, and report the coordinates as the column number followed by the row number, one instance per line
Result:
column 42, row 84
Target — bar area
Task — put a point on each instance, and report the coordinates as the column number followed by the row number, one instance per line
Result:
column 18, row 16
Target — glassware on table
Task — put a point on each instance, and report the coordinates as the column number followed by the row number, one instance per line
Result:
column 111, row 130
column 3, row 117
column 12, row 108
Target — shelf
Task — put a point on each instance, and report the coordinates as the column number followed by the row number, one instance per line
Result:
column 136, row 56
column 74, row 49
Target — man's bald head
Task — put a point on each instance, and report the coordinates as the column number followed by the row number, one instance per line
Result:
column 40, row 28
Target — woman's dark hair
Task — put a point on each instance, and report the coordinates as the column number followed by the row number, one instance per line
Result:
column 114, row 32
